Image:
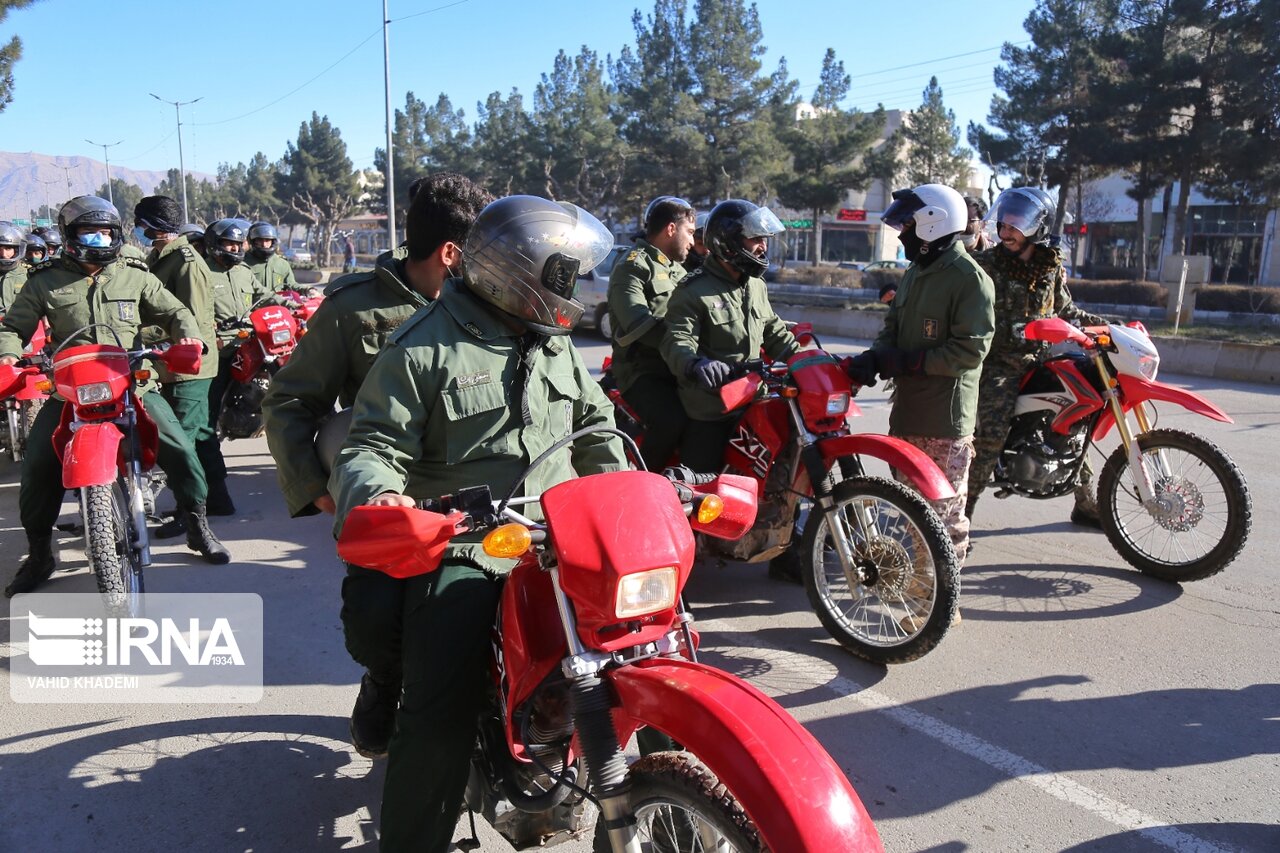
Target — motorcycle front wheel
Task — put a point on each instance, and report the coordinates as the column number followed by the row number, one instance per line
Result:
column 681, row 807
column 901, row 598
column 108, row 535
column 1203, row 515
column 21, row 417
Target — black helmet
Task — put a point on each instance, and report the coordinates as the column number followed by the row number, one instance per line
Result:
column 263, row 231
column 52, row 238
column 523, row 255
column 736, row 220
column 90, row 211
column 11, row 237
column 158, row 213
column 226, row 229
column 192, row 231
column 36, row 244
column 1027, row 210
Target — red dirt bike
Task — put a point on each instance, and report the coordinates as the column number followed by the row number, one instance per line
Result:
column 107, row 444
column 592, row 642
column 266, row 337
column 875, row 559
column 21, row 395
column 1173, row 504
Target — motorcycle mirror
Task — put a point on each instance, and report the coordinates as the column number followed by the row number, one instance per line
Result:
column 739, row 392
column 400, row 541
column 182, row 358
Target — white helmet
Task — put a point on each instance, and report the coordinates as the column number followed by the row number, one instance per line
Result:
column 938, row 211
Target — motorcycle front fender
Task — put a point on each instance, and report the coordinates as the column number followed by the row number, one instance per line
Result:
column 791, row 788
column 1134, row 390
column 92, row 456
column 913, row 462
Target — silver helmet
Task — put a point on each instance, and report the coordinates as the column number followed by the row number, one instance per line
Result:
column 90, row 211
column 11, row 237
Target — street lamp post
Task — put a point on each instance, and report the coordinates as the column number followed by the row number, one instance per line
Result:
column 391, row 183
column 107, row 160
column 66, row 171
column 182, row 168
column 47, row 207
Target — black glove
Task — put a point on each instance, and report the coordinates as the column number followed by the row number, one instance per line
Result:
column 710, row 373
column 861, row 368
column 897, row 362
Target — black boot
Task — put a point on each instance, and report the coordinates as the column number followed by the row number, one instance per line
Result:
column 34, row 570
column 373, row 719
column 200, row 537
column 219, row 500
column 175, row 526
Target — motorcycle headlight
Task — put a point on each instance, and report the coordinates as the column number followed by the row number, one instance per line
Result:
column 646, row 592
column 280, row 336
column 1148, row 366
column 837, row 404
column 93, row 393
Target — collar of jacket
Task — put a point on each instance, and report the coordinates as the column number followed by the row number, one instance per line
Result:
column 947, row 259
column 713, row 267
column 169, row 248
column 472, row 313
column 390, row 268
column 656, row 254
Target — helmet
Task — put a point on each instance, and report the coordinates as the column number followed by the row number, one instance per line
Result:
column 192, row 231
column 663, row 204
column 263, row 231
column 10, row 236
column 226, row 229
column 89, row 211
column 52, row 238
column 157, row 213
column 1027, row 210
column 523, row 255
column 938, row 211
column 36, row 244
column 729, row 224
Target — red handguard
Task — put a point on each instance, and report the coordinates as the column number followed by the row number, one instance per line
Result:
column 400, row 541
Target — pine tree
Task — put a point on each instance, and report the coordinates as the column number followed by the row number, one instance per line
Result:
column 424, row 139
column 9, row 53
column 317, row 181
column 932, row 140
column 506, row 160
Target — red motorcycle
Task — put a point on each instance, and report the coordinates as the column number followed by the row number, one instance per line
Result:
column 1173, row 504
column 266, row 337
column 22, row 396
column 592, row 642
column 875, row 559
column 107, row 444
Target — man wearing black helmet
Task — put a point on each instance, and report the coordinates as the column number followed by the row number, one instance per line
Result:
column 719, row 317
column 470, row 390
column 13, row 272
column 93, row 284
column 1030, row 283
column 272, row 271
column 52, row 238
column 36, row 252
column 639, row 287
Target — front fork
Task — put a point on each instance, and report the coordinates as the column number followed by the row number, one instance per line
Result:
column 1127, row 437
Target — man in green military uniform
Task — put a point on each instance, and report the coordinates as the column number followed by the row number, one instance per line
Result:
column 935, row 335
column 36, row 251
column 184, row 274
column 13, row 272
column 92, row 284
column 719, row 317
column 1030, row 283
column 469, row 392
column 272, row 271
column 360, row 312
column 639, row 287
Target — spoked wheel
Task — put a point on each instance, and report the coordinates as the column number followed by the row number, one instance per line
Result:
column 900, row 599
column 109, row 537
column 1202, row 514
column 681, row 807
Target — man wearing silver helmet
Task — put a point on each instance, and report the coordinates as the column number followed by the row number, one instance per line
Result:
column 469, row 391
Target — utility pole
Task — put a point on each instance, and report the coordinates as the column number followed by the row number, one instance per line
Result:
column 391, row 182
column 66, row 171
column 47, row 207
column 107, row 160
column 182, row 168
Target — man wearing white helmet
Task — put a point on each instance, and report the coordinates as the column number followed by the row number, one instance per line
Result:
column 935, row 336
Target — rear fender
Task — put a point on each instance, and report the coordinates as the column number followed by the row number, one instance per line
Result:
column 791, row 788
column 913, row 462
column 1134, row 390
column 92, row 456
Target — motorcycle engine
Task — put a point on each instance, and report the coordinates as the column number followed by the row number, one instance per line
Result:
column 242, row 408
column 1038, row 461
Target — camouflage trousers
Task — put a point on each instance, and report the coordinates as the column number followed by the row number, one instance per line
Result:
column 953, row 456
column 997, row 398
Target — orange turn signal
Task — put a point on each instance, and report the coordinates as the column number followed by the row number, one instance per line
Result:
column 709, row 509
column 142, row 375
column 509, row 540
column 45, row 386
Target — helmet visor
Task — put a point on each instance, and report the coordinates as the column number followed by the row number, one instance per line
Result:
column 1018, row 212
column 761, row 222
column 904, row 208
column 587, row 240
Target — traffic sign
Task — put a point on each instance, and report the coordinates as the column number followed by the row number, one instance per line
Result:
column 846, row 214
column 43, row 223
column 798, row 223
column 25, row 223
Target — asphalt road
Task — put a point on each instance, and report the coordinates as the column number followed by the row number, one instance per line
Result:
column 1080, row 705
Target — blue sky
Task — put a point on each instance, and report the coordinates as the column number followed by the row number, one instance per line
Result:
column 88, row 69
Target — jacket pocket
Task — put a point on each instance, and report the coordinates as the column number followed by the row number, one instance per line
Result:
column 477, row 418
column 563, row 394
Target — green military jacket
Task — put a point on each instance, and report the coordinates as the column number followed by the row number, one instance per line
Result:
column 946, row 310
column 275, row 273
column 449, row 401
column 235, row 290
column 10, row 283
column 1026, row 291
column 712, row 315
column 185, row 274
column 123, row 296
column 344, row 336
column 639, row 288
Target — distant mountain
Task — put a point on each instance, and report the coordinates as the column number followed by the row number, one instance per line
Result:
column 21, row 174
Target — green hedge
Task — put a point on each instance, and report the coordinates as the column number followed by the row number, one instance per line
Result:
column 1238, row 299
column 1118, row 292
